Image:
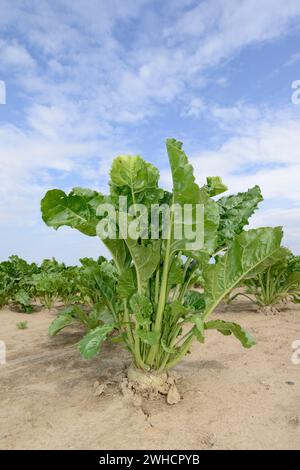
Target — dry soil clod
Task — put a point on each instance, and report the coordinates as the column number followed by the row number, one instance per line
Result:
column 173, row 396
column 99, row 389
column 268, row 310
column 150, row 385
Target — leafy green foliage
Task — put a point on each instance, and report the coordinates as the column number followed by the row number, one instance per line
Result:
column 195, row 300
column 148, row 285
column 5, row 289
column 78, row 209
column 185, row 190
column 136, row 179
column 235, row 211
column 215, row 186
column 15, row 282
column 278, row 282
column 48, row 286
column 23, row 299
column 22, row 284
column 90, row 345
column 247, row 251
column 76, row 314
column 228, row 328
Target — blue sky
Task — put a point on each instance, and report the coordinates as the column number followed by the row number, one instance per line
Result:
column 87, row 80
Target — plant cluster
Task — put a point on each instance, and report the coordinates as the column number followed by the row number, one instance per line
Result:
column 279, row 282
column 16, row 282
column 147, row 290
column 23, row 284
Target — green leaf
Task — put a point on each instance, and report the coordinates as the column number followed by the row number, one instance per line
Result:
column 277, row 261
column 176, row 273
column 228, row 328
column 235, row 211
column 76, row 210
column 176, row 311
column 185, row 190
column 211, row 222
column 195, row 300
column 98, row 315
column 106, row 277
column 148, row 337
column 142, row 308
column 247, row 252
column 60, row 322
column 166, row 348
column 127, row 283
column 91, row 343
column 275, row 281
column 198, row 329
column 23, row 298
column 119, row 252
column 131, row 176
column 133, row 171
column 294, row 263
column 215, row 185
column 145, row 257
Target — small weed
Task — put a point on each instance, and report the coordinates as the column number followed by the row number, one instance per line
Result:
column 22, row 325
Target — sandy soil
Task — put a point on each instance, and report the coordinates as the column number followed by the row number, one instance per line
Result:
column 233, row 398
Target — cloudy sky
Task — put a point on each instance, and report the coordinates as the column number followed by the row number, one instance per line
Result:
column 89, row 79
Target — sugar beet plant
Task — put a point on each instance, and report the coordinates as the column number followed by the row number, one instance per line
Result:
column 148, row 288
column 16, row 283
column 22, row 284
column 93, row 311
column 278, row 283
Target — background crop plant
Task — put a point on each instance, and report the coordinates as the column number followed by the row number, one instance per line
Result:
column 16, row 283
column 77, row 314
column 148, row 285
column 276, row 283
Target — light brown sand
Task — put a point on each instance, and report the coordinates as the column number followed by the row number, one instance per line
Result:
column 233, row 398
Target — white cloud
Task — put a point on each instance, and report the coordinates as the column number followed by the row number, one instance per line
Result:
column 195, row 108
column 127, row 84
column 14, row 55
column 268, row 154
column 225, row 27
column 84, row 86
column 235, row 118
